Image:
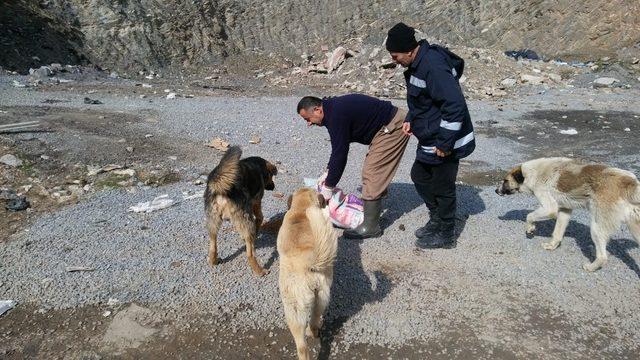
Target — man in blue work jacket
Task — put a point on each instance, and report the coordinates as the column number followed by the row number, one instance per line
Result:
column 439, row 118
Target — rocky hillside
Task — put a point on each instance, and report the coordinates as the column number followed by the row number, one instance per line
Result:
column 151, row 34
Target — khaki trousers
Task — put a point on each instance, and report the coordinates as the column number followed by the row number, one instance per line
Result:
column 382, row 160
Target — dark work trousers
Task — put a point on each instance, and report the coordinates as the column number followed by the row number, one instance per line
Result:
column 436, row 185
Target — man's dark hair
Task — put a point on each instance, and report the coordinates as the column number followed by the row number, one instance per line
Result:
column 308, row 102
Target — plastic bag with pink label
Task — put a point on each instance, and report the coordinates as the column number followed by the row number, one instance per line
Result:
column 345, row 210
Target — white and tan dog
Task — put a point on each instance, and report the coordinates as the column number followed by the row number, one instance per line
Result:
column 611, row 195
column 307, row 246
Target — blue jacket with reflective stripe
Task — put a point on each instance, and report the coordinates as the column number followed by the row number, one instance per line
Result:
column 437, row 109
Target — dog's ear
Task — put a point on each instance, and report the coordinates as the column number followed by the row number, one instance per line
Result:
column 289, row 200
column 517, row 175
column 272, row 169
column 322, row 201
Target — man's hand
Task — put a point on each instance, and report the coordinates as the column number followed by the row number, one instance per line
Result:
column 406, row 128
column 326, row 192
column 442, row 153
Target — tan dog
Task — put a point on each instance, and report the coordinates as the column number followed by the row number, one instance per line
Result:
column 307, row 246
column 560, row 184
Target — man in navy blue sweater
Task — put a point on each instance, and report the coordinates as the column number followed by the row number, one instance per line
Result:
column 365, row 120
column 439, row 118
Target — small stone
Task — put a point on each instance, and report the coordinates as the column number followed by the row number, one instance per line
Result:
column 106, row 313
column 171, row 95
column 508, row 82
column 401, row 227
column 92, row 101
column 10, row 160
column 554, row 77
column 604, row 82
column 531, row 79
column 129, row 149
column 627, row 129
column 18, row 204
column 255, row 139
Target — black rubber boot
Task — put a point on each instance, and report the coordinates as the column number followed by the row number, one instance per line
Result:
column 431, row 228
column 370, row 227
column 443, row 239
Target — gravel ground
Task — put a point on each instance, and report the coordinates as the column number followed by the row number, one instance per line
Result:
column 496, row 287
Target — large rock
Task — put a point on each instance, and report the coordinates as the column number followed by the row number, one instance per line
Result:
column 10, row 160
column 336, row 58
column 604, row 82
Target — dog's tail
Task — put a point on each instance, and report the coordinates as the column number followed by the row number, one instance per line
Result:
column 326, row 240
column 222, row 178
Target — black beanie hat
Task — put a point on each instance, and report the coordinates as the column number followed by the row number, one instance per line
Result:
column 401, row 38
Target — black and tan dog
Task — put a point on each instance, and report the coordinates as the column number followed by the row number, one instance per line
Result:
column 234, row 191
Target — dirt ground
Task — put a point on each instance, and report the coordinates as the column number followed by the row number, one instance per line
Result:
column 70, row 141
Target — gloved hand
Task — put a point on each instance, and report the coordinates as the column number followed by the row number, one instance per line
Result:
column 326, row 191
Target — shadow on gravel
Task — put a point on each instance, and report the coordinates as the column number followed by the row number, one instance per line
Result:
column 403, row 198
column 266, row 238
column 352, row 288
column 582, row 235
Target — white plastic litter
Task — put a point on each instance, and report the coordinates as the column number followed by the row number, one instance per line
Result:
column 160, row 202
column 6, row 305
column 197, row 195
column 570, row 131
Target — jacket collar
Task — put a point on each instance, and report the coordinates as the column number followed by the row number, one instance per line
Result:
column 424, row 46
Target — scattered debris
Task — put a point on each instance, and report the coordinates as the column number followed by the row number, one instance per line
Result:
column 255, row 139
column 125, row 172
column 197, row 195
column 18, row 84
column 8, row 194
column 508, row 82
column 10, row 160
column 18, row 204
column 113, row 302
column 93, row 170
column 522, row 54
column 21, row 126
column 42, row 72
column 531, row 79
column 92, row 101
column 278, row 195
column 219, row 144
column 6, row 305
column 107, row 313
column 79, row 268
column 159, row 203
column 570, row 131
column 171, row 95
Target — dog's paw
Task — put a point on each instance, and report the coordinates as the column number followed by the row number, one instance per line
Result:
column 212, row 261
column 591, row 267
column 312, row 332
column 260, row 272
column 551, row 245
column 529, row 228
